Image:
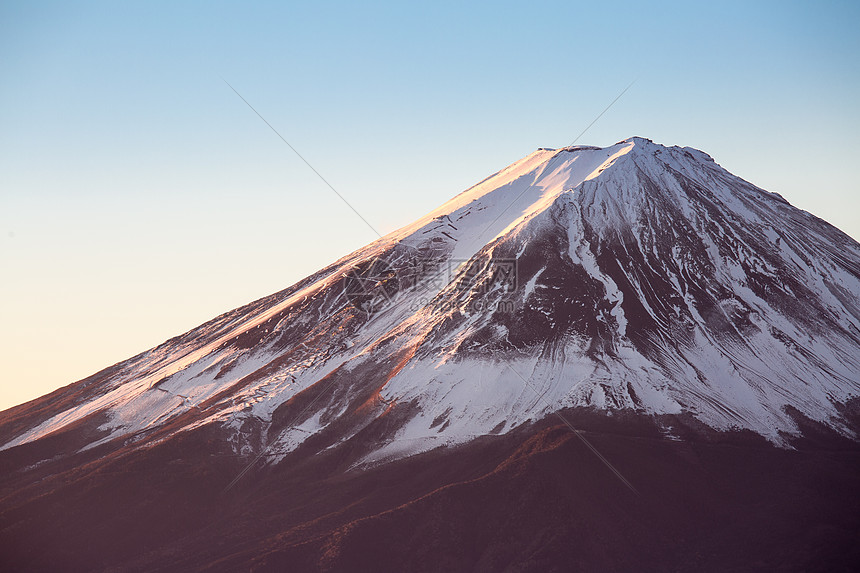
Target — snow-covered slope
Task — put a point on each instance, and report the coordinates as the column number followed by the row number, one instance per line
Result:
column 635, row 277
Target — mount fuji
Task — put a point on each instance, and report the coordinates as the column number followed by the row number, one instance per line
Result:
column 399, row 409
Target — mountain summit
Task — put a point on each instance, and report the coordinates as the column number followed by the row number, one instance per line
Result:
column 633, row 277
column 632, row 282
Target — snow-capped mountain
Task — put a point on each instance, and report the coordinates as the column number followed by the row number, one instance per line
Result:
column 392, row 412
column 634, row 277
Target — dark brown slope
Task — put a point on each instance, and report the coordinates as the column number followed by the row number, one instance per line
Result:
column 551, row 506
column 532, row 500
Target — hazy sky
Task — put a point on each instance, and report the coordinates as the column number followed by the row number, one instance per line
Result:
column 140, row 197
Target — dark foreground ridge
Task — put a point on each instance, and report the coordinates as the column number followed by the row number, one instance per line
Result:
column 531, row 500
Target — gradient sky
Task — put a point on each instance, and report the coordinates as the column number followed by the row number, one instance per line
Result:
column 140, row 197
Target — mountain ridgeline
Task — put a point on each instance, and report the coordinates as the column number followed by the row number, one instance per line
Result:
column 666, row 306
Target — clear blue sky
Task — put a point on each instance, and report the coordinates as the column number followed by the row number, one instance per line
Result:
column 140, row 197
